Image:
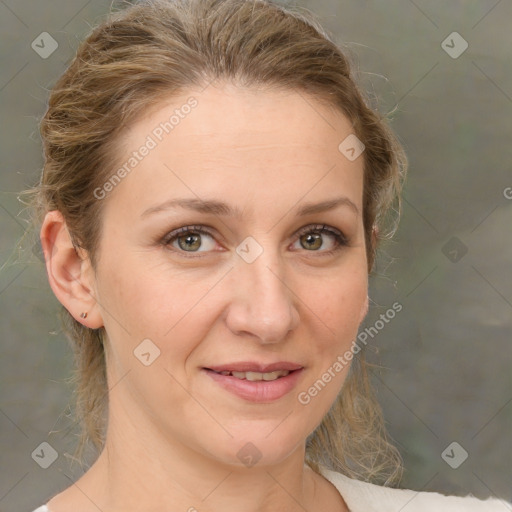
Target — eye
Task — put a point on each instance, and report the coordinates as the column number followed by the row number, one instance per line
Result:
column 321, row 238
column 197, row 239
column 190, row 239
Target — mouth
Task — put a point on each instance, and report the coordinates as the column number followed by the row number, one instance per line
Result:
column 255, row 382
column 254, row 376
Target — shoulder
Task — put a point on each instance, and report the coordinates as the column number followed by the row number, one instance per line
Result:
column 366, row 497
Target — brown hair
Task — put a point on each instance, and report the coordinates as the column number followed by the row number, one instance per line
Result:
column 152, row 50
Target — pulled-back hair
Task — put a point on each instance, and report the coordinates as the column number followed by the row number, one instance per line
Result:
column 153, row 50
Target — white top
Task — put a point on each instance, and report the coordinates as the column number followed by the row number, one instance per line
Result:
column 364, row 497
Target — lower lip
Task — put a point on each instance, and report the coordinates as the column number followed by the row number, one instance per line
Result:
column 257, row 391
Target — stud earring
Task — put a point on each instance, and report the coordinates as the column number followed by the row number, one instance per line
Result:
column 83, row 315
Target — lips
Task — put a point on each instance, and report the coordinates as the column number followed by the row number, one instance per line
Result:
column 250, row 366
column 257, row 382
column 256, row 376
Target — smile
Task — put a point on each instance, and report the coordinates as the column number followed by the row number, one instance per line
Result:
column 256, row 386
column 255, row 376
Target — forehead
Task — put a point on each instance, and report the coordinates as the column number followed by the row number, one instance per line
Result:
column 261, row 142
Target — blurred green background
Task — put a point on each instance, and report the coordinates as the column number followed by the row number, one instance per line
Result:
column 446, row 357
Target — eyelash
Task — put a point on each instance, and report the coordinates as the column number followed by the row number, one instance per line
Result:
column 340, row 238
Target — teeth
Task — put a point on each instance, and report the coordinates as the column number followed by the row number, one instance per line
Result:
column 256, row 376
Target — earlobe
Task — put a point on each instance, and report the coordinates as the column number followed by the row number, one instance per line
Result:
column 70, row 275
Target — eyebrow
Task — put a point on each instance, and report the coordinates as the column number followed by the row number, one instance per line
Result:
column 215, row 207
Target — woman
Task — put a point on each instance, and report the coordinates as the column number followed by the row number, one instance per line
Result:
column 214, row 191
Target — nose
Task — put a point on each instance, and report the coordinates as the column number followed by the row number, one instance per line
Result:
column 263, row 304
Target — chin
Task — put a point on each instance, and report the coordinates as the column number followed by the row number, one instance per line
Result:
column 266, row 447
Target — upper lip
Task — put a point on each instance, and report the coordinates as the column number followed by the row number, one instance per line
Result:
column 251, row 366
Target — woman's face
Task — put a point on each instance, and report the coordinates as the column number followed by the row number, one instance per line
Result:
column 234, row 243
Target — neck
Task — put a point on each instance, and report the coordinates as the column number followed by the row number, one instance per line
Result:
column 140, row 469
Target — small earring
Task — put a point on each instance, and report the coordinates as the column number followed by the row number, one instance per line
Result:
column 83, row 315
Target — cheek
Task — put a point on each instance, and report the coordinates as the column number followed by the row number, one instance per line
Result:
column 142, row 297
column 341, row 303
column 338, row 308
column 146, row 302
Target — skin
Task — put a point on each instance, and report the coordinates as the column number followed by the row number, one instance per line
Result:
column 173, row 432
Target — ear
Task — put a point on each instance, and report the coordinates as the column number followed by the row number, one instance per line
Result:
column 70, row 274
